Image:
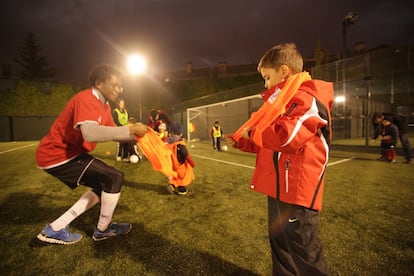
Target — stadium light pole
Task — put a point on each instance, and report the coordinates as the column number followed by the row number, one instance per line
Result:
column 348, row 20
column 137, row 65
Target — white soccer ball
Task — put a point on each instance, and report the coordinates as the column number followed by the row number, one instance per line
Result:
column 134, row 159
column 224, row 148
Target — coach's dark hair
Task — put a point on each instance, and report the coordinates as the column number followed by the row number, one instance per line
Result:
column 103, row 72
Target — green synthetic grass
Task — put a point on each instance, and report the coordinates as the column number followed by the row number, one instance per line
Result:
column 220, row 228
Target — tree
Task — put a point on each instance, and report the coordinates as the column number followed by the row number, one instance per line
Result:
column 33, row 66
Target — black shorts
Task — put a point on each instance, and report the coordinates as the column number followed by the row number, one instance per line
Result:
column 91, row 172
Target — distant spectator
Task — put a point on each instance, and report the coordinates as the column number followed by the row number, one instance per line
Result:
column 132, row 147
column 162, row 129
column 156, row 117
column 402, row 126
column 120, row 116
column 387, row 132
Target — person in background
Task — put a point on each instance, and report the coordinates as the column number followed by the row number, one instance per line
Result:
column 120, row 116
column 290, row 134
column 402, row 132
column 182, row 162
column 387, row 132
column 64, row 153
column 162, row 129
column 132, row 147
column 216, row 133
column 156, row 117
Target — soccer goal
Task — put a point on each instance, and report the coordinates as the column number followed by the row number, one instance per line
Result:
column 231, row 114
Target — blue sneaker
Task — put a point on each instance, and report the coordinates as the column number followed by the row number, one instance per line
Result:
column 59, row 237
column 114, row 229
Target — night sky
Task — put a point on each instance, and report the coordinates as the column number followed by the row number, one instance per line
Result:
column 75, row 35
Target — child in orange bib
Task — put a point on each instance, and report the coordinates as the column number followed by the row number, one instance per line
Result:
column 182, row 163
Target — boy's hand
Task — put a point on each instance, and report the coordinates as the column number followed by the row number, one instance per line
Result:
column 230, row 141
column 246, row 133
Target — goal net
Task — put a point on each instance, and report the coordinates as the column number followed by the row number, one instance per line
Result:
column 231, row 114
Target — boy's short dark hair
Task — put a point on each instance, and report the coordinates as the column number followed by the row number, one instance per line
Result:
column 282, row 54
column 103, row 72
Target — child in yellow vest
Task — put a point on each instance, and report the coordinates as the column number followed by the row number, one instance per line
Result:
column 216, row 133
column 181, row 160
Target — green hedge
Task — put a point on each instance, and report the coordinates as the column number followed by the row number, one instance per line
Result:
column 26, row 98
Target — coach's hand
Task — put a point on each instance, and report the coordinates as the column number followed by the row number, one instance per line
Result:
column 138, row 129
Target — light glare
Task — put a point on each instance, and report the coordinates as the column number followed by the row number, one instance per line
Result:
column 136, row 64
column 339, row 99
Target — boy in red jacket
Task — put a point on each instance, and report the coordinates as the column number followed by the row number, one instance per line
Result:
column 292, row 149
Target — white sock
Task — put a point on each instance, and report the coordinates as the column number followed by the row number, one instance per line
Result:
column 108, row 205
column 86, row 201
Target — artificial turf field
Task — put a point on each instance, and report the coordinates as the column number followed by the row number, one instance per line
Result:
column 220, row 228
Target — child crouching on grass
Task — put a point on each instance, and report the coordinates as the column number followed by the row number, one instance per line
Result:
column 387, row 132
column 183, row 164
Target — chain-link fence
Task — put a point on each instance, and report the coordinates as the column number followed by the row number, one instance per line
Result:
column 375, row 81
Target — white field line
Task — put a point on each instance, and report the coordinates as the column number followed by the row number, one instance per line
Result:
column 221, row 161
column 22, row 147
column 251, row 167
column 339, row 161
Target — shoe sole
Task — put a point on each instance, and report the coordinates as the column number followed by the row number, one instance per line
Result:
column 171, row 189
column 108, row 237
column 43, row 238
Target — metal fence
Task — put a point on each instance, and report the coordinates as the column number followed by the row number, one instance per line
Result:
column 375, row 81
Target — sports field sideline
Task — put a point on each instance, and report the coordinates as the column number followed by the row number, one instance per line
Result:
column 218, row 229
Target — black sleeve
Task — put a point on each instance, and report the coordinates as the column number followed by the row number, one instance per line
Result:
column 394, row 134
column 116, row 118
column 377, row 132
column 182, row 153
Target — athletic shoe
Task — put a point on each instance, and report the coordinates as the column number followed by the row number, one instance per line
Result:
column 118, row 158
column 113, row 230
column 382, row 158
column 171, row 188
column 181, row 190
column 59, row 237
column 391, row 161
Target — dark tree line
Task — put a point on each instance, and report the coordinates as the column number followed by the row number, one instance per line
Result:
column 32, row 65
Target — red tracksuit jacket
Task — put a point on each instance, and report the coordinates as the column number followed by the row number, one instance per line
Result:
column 291, row 164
